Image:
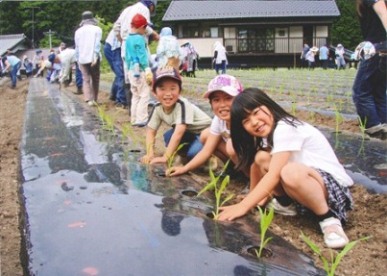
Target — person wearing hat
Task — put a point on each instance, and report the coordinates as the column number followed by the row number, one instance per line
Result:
column 87, row 46
column 168, row 49
column 339, row 53
column 186, row 120
column 310, row 57
column 221, row 92
column 139, row 74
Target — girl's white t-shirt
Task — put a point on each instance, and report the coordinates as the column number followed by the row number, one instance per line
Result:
column 219, row 127
column 309, row 147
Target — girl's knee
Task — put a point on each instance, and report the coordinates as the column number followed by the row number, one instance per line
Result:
column 291, row 174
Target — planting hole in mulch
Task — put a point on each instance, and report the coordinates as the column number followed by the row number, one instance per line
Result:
column 189, row 193
column 252, row 250
column 210, row 215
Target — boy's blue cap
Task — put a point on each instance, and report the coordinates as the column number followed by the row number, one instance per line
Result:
column 51, row 58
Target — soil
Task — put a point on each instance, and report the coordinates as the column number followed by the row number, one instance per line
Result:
column 368, row 219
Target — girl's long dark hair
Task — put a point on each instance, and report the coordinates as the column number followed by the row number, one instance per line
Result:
column 245, row 145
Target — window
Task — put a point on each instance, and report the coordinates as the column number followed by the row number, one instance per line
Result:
column 191, row 31
column 255, row 40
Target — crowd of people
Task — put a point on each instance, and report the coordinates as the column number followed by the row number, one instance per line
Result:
column 290, row 164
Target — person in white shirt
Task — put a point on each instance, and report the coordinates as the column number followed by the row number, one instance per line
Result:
column 87, row 46
column 220, row 58
column 122, row 26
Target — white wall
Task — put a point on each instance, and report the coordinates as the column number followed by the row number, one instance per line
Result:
column 203, row 46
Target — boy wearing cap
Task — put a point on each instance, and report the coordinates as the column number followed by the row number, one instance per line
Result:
column 216, row 139
column 186, row 119
column 140, row 74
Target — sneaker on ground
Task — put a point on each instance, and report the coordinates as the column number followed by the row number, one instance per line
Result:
column 280, row 209
column 92, row 103
column 139, row 124
column 334, row 235
column 121, row 105
column 379, row 131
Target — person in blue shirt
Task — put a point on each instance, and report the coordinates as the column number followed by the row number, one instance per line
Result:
column 140, row 74
column 323, row 56
column 12, row 64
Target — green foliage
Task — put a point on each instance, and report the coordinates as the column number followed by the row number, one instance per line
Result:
column 346, row 28
column 218, row 190
column 266, row 218
column 330, row 265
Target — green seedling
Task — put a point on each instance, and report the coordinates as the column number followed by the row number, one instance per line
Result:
column 339, row 118
column 171, row 159
column 218, row 190
column 102, row 115
column 362, row 126
column 266, row 218
column 109, row 123
column 330, row 265
column 125, row 132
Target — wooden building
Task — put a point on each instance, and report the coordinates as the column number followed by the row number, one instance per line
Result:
column 255, row 33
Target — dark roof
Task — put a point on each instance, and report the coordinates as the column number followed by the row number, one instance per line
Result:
column 196, row 10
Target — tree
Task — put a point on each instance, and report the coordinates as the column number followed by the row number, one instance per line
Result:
column 346, row 29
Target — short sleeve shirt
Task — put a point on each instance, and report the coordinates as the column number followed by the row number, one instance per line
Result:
column 309, row 146
column 184, row 112
column 219, row 128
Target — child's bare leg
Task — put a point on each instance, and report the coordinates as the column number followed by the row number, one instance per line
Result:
column 220, row 151
column 306, row 186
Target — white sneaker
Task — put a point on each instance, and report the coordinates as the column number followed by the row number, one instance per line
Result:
column 375, row 129
column 92, row 103
column 334, row 235
column 280, row 209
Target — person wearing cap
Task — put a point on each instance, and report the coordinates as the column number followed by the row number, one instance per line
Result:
column 339, row 53
column 122, row 26
column 221, row 92
column 186, row 120
column 87, row 46
column 140, row 74
column 12, row 64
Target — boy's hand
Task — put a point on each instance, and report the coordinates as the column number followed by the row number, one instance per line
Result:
column 148, row 76
column 175, row 171
column 160, row 159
